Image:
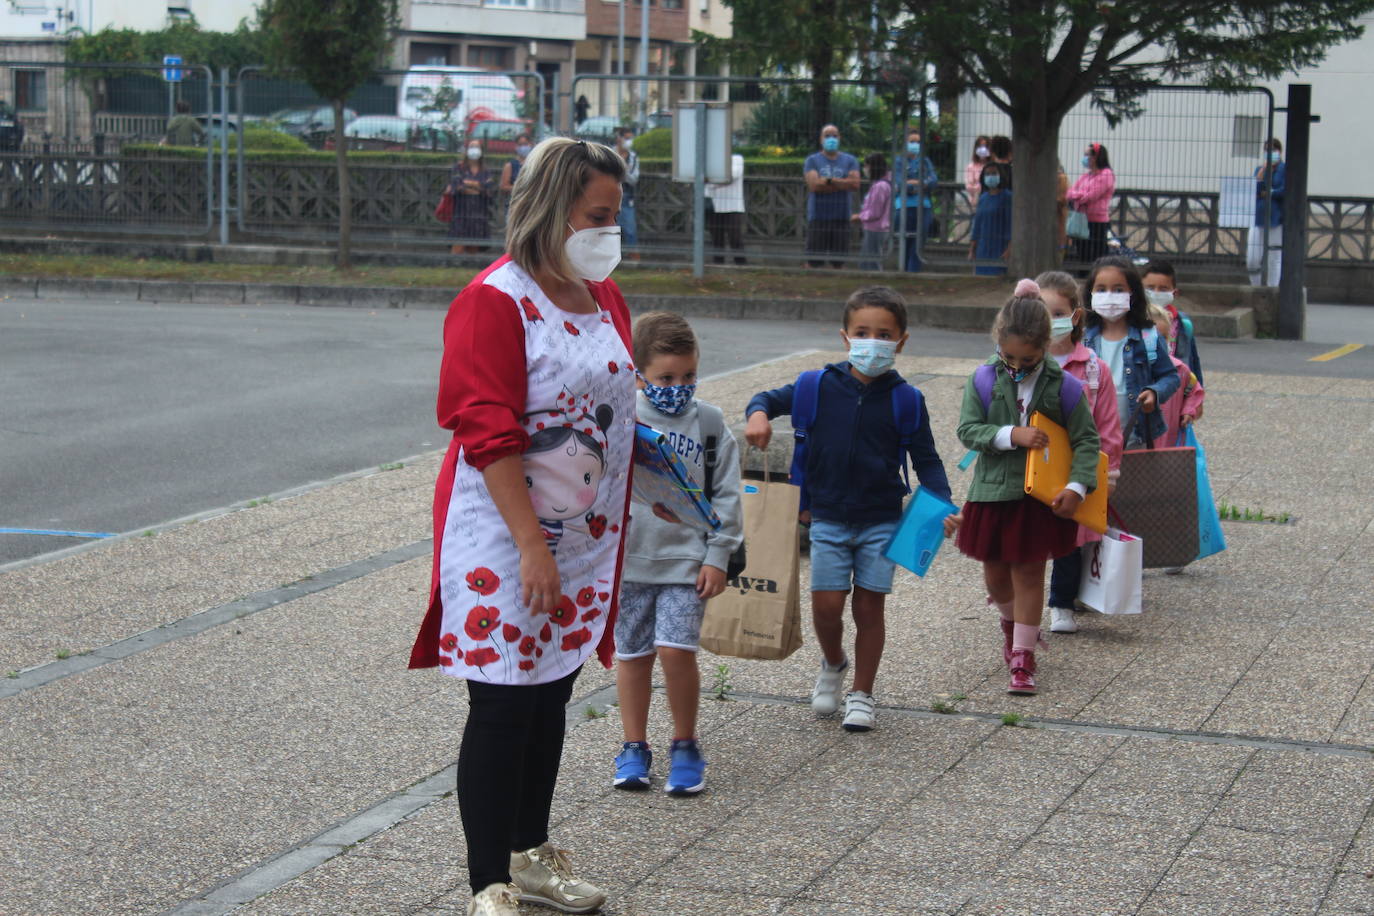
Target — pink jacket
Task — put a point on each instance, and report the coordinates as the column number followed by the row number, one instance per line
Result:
column 1184, row 403
column 973, row 176
column 876, row 213
column 1092, row 193
column 1102, row 399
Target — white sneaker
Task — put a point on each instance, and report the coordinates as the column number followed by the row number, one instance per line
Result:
column 1061, row 620
column 1173, row 570
column 858, row 711
column 544, row 875
column 494, row 900
column 825, row 696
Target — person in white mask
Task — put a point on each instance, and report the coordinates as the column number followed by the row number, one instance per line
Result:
column 472, row 186
column 1120, row 331
column 973, row 172
column 530, row 509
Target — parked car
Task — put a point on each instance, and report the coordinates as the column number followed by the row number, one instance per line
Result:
column 310, row 124
column 600, row 128
column 498, row 135
column 11, row 128
column 392, row 133
column 661, row 118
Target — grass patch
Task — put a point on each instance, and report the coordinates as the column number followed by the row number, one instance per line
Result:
column 1233, row 513
column 945, row 703
column 1013, row 720
column 392, row 466
column 720, row 682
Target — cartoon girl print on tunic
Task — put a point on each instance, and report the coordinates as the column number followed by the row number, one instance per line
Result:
column 565, row 464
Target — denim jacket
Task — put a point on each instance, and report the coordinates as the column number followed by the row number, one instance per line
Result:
column 1142, row 369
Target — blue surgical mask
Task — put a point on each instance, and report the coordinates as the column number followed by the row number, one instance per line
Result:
column 992, row 181
column 830, row 144
column 669, row 399
column 1087, row 161
column 523, row 150
column 872, row 357
column 1061, row 327
column 914, row 148
column 1275, row 156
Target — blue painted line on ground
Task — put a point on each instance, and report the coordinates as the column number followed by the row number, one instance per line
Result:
column 60, row 534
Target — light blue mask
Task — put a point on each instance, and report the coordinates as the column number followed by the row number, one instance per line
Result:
column 1087, row 162
column 914, row 148
column 872, row 357
column 1275, row 156
column 669, row 399
column 830, row 144
column 992, row 181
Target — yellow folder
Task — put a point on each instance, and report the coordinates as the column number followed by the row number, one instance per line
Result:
column 1047, row 473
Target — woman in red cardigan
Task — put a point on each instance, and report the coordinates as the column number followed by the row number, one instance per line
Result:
column 537, row 384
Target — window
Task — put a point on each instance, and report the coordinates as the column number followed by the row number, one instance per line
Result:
column 423, row 54
column 672, row 4
column 1247, row 136
column 493, row 57
column 31, row 90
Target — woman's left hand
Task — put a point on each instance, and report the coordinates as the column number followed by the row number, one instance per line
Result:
column 1066, row 503
column 1147, row 401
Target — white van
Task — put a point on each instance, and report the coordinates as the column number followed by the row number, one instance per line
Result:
column 456, row 94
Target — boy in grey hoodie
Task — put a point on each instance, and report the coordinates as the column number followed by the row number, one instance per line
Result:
column 671, row 570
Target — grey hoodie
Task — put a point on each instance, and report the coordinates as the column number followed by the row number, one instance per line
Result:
column 663, row 553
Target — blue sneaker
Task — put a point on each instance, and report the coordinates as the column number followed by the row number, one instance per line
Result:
column 687, row 772
column 632, row 766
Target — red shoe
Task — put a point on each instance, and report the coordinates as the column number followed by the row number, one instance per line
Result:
column 1007, row 627
column 1022, row 672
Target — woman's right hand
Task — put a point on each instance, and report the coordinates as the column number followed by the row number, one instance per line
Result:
column 540, row 585
column 758, row 432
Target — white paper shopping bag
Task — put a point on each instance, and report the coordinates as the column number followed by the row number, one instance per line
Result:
column 1111, row 573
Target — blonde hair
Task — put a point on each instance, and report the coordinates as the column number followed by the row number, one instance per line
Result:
column 554, row 176
column 1157, row 313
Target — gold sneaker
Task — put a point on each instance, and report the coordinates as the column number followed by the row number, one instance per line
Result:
column 544, row 875
column 495, row 900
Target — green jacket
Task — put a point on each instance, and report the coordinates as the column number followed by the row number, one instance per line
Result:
column 1001, row 476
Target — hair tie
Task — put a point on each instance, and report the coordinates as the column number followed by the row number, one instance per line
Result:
column 1027, row 289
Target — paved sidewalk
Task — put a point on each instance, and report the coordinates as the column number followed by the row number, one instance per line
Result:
column 242, row 734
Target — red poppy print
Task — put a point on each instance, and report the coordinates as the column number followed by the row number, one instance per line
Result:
column 483, row 581
column 531, row 311
column 527, row 646
column 545, row 633
column 526, row 664
column 510, row 631
column 564, row 613
column 596, row 525
column 604, row 596
column 576, row 639
column 476, row 658
column 591, row 615
column 538, row 652
column 445, row 661
column 613, row 366
column 571, row 329
column 586, row 596
column 481, row 621
column 448, row 642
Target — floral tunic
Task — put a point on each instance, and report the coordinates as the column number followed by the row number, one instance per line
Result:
column 571, row 414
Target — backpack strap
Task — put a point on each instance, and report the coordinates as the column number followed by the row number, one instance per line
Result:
column 984, row 378
column 1070, row 393
column 711, row 423
column 805, row 397
column 906, row 410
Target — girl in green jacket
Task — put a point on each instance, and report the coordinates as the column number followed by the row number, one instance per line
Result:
column 1013, row 534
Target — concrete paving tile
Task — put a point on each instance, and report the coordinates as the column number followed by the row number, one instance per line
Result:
column 1084, row 748
column 1185, row 810
column 761, row 871
column 871, row 884
column 1088, row 871
column 1168, row 904
column 361, row 883
column 1266, row 888
column 1052, row 899
column 1128, row 836
column 1350, row 893
column 1254, row 846
column 808, row 906
column 655, row 899
column 1290, row 814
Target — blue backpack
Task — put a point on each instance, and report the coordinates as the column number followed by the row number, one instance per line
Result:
column 906, row 409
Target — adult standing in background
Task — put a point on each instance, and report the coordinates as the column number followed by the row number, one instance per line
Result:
column 472, row 185
column 629, row 222
column 511, row 170
column 990, row 236
column 832, row 177
column 184, row 130
column 530, row 507
column 1000, row 148
column 1092, row 193
column 581, row 107
column 1268, row 209
column 973, row 172
column 725, row 212
column 915, row 180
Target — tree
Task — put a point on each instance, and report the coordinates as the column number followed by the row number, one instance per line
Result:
column 1036, row 59
column 819, row 36
column 335, row 46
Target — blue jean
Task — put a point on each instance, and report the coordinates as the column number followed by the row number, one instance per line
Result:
column 629, row 227
column 915, row 233
column 1065, row 575
column 843, row 555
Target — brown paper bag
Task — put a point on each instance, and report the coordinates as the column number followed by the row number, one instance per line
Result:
column 759, row 613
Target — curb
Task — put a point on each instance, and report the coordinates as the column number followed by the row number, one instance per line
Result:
column 1235, row 323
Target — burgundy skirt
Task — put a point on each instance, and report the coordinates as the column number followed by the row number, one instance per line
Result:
column 1016, row 531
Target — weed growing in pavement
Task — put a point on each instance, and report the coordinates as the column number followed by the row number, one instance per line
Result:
column 592, row 712
column 1230, row 512
column 12, row 675
column 393, row 466
column 1012, row 719
column 254, row 503
column 944, row 703
column 150, row 533
column 63, row 653
column 720, row 682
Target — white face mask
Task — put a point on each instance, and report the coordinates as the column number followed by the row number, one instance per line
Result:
column 1061, row 327
column 982, row 152
column 593, row 253
column 1160, row 297
column 474, row 152
column 1111, row 305
column 629, row 143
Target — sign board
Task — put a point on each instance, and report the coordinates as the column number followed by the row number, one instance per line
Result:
column 1237, row 203
column 717, row 141
column 171, row 68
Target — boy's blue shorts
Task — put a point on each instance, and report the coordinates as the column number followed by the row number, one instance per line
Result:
column 844, row 555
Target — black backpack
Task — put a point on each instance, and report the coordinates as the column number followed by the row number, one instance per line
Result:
column 735, row 566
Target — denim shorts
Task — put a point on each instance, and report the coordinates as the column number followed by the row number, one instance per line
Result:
column 844, row 555
column 657, row 615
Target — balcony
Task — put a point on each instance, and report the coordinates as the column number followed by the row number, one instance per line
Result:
column 532, row 19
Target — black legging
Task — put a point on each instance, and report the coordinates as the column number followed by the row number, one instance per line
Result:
column 1094, row 246
column 507, row 768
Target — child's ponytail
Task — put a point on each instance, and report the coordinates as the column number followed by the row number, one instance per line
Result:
column 1025, row 316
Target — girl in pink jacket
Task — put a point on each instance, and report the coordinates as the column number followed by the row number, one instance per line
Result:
column 1092, row 193
column 1185, row 409
column 1060, row 292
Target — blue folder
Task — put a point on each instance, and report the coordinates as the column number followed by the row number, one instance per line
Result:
column 921, row 531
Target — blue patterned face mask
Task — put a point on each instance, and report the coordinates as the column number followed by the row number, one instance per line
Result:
column 872, row 357
column 669, row 399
